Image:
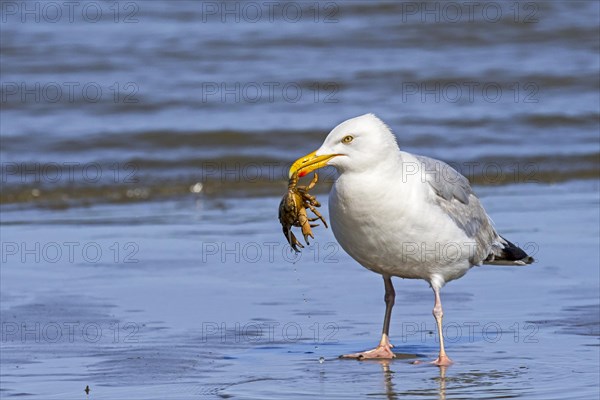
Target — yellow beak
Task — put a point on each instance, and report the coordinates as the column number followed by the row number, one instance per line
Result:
column 309, row 162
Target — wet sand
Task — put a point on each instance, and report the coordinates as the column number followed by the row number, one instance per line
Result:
column 203, row 300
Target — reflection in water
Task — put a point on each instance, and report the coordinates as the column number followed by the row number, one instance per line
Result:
column 388, row 374
column 442, row 383
column 388, row 381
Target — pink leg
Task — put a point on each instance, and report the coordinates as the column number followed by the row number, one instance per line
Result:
column 438, row 313
column 384, row 349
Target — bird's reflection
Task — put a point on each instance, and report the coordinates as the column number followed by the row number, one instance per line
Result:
column 388, row 380
column 442, row 383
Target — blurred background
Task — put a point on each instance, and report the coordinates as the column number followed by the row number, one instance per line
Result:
column 145, row 146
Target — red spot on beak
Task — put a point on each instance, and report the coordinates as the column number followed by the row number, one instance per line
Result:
column 301, row 174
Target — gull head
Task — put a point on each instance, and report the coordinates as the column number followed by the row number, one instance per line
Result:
column 356, row 144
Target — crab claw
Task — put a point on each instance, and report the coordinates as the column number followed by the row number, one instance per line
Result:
column 295, row 243
column 291, row 238
column 306, row 232
column 306, row 238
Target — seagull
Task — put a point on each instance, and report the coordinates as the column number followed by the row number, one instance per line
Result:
column 404, row 215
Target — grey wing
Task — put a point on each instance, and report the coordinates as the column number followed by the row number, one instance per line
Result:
column 456, row 198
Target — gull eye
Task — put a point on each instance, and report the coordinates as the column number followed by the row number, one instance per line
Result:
column 347, row 139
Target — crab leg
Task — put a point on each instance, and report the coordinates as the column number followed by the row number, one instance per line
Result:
column 310, row 199
column 318, row 214
column 313, row 182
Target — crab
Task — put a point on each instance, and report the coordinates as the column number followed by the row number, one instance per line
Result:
column 292, row 211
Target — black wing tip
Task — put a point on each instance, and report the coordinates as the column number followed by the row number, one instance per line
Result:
column 512, row 252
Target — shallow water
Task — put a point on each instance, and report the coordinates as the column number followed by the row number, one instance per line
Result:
column 141, row 252
column 196, row 317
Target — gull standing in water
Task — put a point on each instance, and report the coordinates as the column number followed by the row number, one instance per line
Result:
column 400, row 214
